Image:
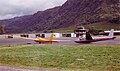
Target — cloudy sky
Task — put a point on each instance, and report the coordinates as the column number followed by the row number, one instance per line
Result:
column 13, row 8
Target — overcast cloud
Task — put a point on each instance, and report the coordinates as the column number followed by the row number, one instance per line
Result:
column 13, row 8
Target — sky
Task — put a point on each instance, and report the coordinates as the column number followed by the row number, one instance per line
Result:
column 14, row 8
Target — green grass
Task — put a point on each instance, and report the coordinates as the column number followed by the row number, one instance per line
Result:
column 69, row 58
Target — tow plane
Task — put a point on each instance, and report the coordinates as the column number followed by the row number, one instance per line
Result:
column 89, row 38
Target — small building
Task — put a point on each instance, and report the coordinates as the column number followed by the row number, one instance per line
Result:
column 68, row 35
column 10, row 36
column 31, row 36
column 24, row 35
column 47, row 35
column 115, row 32
column 58, row 35
column 4, row 36
column 80, row 31
column 38, row 35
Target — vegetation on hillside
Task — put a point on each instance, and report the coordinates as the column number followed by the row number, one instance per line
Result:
column 102, row 26
column 2, row 30
column 115, row 20
column 71, row 13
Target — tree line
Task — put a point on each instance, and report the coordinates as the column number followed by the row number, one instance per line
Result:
column 2, row 31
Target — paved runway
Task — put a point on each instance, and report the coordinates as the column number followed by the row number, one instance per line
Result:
column 116, row 41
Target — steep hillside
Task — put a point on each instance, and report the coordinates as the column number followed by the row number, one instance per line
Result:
column 72, row 13
column 29, row 23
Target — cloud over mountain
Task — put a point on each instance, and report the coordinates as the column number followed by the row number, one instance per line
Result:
column 12, row 8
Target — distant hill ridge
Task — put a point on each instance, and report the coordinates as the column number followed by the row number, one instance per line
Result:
column 71, row 13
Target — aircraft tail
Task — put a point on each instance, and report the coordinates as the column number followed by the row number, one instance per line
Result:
column 88, row 36
column 111, row 34
column 51, row 37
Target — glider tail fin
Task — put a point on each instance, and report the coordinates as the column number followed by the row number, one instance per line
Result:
column 51, row 37
column 88, row 36
column 111, row 34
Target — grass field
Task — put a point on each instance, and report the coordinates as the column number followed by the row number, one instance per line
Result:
column 68, row 58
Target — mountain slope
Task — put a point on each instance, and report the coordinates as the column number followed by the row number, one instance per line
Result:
column 71, row 13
